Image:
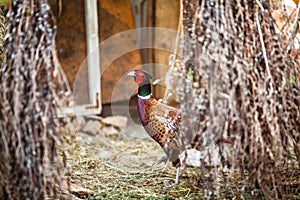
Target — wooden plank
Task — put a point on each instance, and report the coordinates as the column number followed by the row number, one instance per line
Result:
column 93, row 52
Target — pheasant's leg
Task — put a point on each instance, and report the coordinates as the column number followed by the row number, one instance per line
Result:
column 166, row 165
column 162, row 159
column 177, row 175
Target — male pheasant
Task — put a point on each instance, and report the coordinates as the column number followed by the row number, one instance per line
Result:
column 160, row 121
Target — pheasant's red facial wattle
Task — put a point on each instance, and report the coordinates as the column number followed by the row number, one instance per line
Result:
column 140, row 76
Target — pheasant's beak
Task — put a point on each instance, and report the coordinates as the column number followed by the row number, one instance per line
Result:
column 131, row 74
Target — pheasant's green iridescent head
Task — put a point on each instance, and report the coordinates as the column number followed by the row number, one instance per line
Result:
column 140, row 76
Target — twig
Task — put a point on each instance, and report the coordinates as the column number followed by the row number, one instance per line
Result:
column 294, row 29
column 168, row 92
column 260, row 5
column 264, row 53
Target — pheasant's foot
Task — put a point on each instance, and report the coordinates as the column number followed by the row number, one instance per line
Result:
column 176, row 180
column 169, row 185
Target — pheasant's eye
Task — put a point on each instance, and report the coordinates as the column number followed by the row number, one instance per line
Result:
column 139, row 73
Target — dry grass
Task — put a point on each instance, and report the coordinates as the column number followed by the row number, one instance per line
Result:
column 123, row 170
column 121, row 176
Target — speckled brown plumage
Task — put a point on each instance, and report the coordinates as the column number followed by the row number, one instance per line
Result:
column 161, row 123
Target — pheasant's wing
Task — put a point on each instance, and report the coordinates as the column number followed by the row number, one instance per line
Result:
column 164, row 120
column 163, row 127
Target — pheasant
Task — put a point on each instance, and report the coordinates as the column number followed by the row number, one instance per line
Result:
column 160, row 121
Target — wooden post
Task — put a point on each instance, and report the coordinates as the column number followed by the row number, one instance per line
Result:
column 93, row 52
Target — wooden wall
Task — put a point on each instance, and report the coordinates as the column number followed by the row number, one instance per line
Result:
column 115, row 16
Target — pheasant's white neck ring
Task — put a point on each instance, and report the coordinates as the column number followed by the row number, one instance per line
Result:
column 145, row 97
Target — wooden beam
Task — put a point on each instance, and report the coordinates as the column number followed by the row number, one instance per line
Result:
column 93, row 52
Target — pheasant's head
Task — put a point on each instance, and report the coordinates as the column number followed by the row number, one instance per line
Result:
column 140, row 76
